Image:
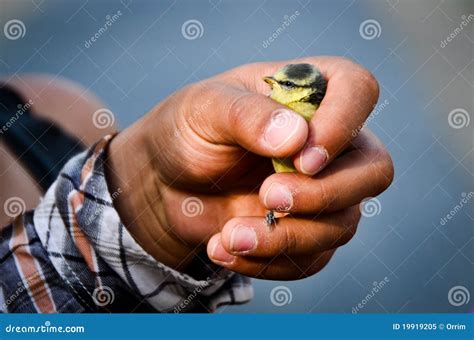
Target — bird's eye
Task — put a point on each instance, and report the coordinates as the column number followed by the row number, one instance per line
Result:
column 288, row 84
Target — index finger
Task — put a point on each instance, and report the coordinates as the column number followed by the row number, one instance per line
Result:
column 352, row 92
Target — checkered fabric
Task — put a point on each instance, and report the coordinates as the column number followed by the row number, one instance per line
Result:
column 72, row 254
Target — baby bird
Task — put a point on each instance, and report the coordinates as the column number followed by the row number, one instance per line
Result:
column 301, row 87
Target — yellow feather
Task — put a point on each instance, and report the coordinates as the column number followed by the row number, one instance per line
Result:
column 304, row 79
column 294, row 99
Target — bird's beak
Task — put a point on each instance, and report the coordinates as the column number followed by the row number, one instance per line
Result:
column 270, row 80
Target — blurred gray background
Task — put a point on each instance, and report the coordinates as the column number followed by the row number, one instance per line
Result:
column 404, row 258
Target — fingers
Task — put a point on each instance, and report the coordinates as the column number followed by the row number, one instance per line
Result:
column 365, row 170
column 277, row 268
column 250, row 120
column 239, row 112
column 249, row 236
column 260, row 125
column 294, row 248
column 282, row 268
column 351, row 94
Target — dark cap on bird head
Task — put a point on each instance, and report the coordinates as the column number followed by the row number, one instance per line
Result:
column 300, row 76
column 300, row 71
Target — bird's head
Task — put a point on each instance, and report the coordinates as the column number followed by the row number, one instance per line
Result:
column 297, row 83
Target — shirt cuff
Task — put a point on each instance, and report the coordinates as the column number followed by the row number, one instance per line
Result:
column 82, row 221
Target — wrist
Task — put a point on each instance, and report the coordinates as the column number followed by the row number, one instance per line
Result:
column 130, row 171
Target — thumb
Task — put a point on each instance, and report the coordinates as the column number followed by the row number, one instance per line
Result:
column 258, row 124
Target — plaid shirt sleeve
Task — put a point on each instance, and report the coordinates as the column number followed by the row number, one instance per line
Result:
column 72, row 254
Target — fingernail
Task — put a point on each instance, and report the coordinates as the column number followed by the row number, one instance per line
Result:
column 283, row 125
column 219, row 254
column 312, row 159
column 243, row 239
column 278, row 197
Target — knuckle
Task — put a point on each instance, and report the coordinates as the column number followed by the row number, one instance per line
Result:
column 348, row 225
column 356, row 215
column 352, row 230
column 193, row 91
column 191, row 96
column 290, row 242
column 382, row 170
column 325, row 194
column 371, row 83
column 202, row 93
column 236, row 109
column 361, row 72
column 387, row 177
column 347, row 235
column 389, row 170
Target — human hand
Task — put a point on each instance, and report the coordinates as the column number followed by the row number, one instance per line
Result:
column 208, row 146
